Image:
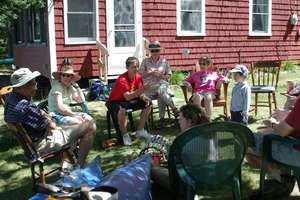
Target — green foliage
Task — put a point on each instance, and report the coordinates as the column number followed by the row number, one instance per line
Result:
column 290, row 65
column 177, row 78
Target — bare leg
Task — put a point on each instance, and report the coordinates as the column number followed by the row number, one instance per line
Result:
column 122, row 120
column 197, row 99
column 86, row 132
column 208, row 103
column 144, row 117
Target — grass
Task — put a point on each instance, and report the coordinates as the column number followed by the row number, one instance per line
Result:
column 15, row 182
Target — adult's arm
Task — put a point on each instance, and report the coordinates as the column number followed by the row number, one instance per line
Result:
column 290, row 123
column 77, row 93
column 61, row 107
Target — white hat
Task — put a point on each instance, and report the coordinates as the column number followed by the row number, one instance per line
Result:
column 240, row 68
column 22, row 76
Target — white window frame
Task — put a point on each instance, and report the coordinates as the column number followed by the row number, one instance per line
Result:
column 178, row 21
column 82, row 40
column 253, row 33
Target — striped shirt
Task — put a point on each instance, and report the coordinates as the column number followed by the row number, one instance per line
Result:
column 19, row 109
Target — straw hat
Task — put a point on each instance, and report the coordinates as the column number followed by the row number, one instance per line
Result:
column 22, row 76
column 66, row 69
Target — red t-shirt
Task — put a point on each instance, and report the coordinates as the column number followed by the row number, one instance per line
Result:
column 293, row 119
column 124, row 84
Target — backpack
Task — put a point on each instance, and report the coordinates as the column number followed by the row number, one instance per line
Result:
column 99, row 91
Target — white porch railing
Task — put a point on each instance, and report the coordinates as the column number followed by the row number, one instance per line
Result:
column 102, row 61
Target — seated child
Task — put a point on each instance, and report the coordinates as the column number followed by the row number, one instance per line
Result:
column 205, row 84
column 241, row 95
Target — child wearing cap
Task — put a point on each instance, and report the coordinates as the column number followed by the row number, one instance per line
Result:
column 241, row 95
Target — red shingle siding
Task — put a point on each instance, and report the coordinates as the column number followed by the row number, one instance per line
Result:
column 227, row 24
column 83, row 57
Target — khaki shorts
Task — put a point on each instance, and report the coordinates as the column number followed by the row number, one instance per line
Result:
column 58, row 138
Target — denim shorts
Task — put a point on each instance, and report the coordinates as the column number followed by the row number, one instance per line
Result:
column 282, row 152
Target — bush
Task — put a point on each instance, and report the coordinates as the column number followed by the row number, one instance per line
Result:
column 177, row 78
column 290, row 65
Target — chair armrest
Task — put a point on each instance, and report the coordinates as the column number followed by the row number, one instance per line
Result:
column 267, row 144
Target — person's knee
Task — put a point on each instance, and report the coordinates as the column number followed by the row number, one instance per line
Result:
column 208, row 98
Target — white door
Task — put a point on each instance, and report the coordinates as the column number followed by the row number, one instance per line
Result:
column 124, row 33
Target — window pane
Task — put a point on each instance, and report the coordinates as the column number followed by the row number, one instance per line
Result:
column 124, row 39
column 81, row 25
column 191, row 5
column 260, row 23
column 260, row 8
column 81, row 5
column 191, row 21
column 37, row 24
column 124, row 11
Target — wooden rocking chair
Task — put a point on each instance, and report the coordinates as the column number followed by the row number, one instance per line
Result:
column 34, row 157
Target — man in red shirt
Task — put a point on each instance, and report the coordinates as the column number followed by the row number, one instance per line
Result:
column 127, row 94
column 283, row 152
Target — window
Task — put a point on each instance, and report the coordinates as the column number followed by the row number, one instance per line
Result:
column 124, row 23
column 260, row 17
column 30, row 26
column 80, row 21
column 36, row 25
column 190, row 17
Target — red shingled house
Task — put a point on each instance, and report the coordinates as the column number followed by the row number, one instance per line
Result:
column 231, row 31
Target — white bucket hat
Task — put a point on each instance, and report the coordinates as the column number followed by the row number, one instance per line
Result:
column 22, row 76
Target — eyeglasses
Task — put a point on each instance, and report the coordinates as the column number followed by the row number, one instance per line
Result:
column 67, row 75
column 155, row 51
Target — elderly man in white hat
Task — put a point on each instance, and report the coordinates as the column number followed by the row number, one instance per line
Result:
column 44, row 133
column 155, row 72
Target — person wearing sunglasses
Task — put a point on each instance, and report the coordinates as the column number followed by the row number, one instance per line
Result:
column 155, row 73
column 65, row 91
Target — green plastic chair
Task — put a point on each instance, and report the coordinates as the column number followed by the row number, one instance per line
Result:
column 207, row 157
column 267, row 157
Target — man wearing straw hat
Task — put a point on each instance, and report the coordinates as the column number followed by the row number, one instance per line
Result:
column 44, row 133
column 155, row 72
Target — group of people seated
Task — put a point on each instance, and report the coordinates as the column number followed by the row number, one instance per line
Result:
column 135, row 89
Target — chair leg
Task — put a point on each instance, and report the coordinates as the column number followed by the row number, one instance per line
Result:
column 168, row 111
column 262, row 177
column 274, row 100
column 270, row 103
column 42, row 174
column 33, row 175
column 255, row 105
column 151, row 118
column 236, row 188
column 225, row 111
column 108, row 124
column 130, row 118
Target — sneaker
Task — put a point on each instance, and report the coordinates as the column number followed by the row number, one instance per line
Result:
column 126, row 139
column 143, row 134
column 67, row 168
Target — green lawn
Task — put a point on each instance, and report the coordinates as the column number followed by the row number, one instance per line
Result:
column 15, row 182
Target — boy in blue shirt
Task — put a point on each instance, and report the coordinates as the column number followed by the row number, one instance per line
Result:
column 241, row 95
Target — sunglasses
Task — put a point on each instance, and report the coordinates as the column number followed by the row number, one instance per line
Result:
column 155, row 51
column 67, row 75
